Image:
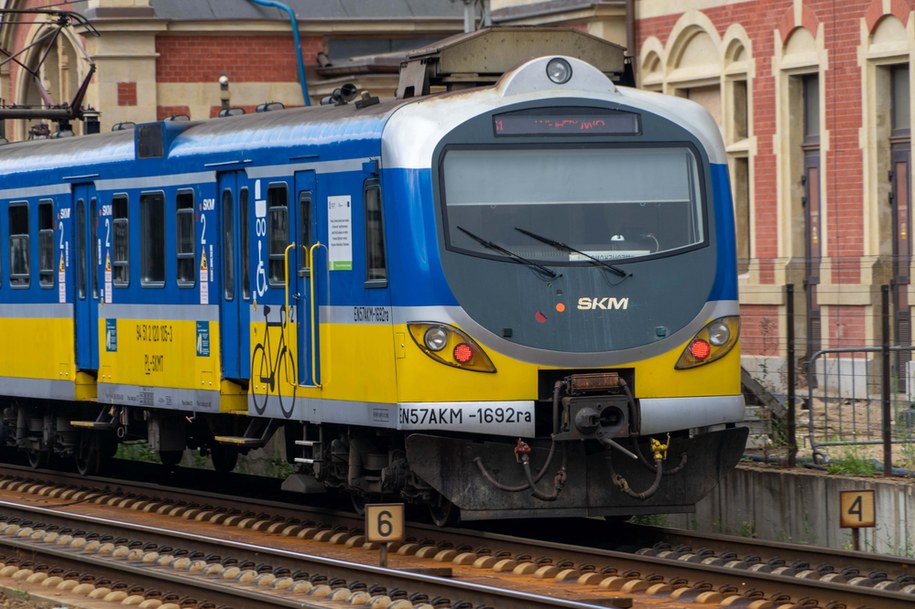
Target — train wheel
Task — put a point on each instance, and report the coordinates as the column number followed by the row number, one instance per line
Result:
column 260, row 390
column 88, row 455
column 224, row 458
column 443, row 513
column 359, row 502
column 108, row 446
column 170, row 458
column 38, row 458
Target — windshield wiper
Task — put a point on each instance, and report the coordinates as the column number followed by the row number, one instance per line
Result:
column 563, row 246
column 512, row 255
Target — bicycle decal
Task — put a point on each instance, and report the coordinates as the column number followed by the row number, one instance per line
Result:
column 273, row 367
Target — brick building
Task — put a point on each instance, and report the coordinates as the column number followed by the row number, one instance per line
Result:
column 813, row 99
column 158, row 58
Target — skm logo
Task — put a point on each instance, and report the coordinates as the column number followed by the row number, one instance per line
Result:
column 605, row 303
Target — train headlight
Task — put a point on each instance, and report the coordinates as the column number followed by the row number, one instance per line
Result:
column 718, row 333
column 435, row 338
column 450, row 346
column 711, row 343
column 558, row 70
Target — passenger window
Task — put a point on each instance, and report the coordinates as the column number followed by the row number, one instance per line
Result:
column 228, row 245
column 152, row 239
column 277, row 232
column 120, row 245
column 184, row 239
column 245, row 251
column 81, row 249
column 46, row 244
column 94, row 245
column 304, row 228
column 376, row 266
column 19, row 245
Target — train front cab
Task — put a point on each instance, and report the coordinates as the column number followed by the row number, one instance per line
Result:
column 582, row 282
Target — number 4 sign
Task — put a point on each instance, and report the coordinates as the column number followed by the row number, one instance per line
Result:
column 857, row 509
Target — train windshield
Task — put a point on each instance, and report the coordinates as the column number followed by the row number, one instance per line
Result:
column 602, row 203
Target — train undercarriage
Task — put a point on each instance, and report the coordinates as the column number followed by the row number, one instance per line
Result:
column 592, row 464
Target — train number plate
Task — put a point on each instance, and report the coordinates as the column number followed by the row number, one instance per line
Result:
column 498, row 418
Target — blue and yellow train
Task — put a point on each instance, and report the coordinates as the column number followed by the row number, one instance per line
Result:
column 513, row 300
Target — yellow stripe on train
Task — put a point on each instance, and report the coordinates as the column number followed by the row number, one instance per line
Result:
column 367, row 362
column 159, row 353
column 380, row 363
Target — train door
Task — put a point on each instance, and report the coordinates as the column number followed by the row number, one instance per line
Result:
column 85, row 215
column 309, row 277
column 233, row 269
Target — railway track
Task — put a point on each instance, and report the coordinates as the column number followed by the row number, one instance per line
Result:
column 271, row 541
column 205, row 570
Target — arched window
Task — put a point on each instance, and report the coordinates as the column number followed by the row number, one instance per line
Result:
column 888, row 168
column 54, row 68
column 694, row 65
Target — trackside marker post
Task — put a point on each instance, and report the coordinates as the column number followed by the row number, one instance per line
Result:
column 857, row 510
column 383, row 525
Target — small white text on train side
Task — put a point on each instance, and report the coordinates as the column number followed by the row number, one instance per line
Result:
column 606, row 303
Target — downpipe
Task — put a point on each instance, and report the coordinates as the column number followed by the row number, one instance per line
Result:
column 296, row 38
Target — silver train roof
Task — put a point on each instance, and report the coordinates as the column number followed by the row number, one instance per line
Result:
column 410, row 128
column 413, row 131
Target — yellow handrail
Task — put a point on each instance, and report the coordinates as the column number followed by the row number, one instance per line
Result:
column 314, row 320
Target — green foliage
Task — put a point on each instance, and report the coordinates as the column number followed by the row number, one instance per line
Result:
column 137, row 451
column 908, row 550
column 199, row 461
column 908, row 454
column 747, row 529
column 852, row 463
column 281, row 468
column 653, row 520
column 779, row 430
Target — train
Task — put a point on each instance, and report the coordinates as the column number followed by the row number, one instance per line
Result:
column 504, row 301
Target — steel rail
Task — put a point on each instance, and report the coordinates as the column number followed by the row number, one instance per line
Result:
column 478, row 594
column 718, row 577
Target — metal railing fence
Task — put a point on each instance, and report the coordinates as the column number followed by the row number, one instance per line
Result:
column 860, row 398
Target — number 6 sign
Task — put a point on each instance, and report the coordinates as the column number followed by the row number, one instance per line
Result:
column 384, row 522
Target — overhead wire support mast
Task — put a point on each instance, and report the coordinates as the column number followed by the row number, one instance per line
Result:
column 57, row 112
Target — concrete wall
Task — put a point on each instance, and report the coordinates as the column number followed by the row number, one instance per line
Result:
column 802, row 506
